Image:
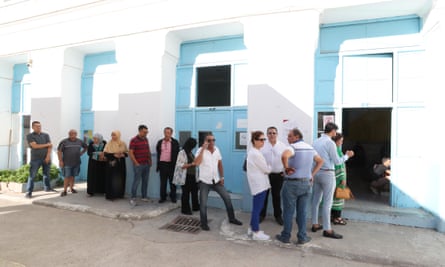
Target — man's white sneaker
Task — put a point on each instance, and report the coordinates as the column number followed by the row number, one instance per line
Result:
column 260, row 235
column 132, row 202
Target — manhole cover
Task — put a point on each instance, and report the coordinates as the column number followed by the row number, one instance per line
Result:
column 184, row 224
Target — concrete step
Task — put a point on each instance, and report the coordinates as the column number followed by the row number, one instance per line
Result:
column 362, row 210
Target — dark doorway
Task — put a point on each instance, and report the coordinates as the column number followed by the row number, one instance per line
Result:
column 367, row 131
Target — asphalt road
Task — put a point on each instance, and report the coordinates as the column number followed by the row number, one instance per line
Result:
column 33, row 235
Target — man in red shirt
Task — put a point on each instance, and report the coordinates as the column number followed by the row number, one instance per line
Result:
column 140, row 155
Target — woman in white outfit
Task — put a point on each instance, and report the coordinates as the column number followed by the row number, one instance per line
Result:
column 258, row 179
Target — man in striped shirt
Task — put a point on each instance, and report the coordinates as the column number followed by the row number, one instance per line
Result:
column 140, row 155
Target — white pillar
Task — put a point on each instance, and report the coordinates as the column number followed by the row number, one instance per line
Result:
column 147, row 67
column 434, row 30
column 281, row 51
column 8, row 144
column 55, row 92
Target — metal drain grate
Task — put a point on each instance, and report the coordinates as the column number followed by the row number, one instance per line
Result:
column 184, row 224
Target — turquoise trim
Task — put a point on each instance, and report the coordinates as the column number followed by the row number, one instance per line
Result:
column 194, row 120
column 333, row 35
column 190, row 50
column 19, row 71
column 90, row 64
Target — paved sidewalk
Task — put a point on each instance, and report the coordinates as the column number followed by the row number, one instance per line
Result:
column 374, row 243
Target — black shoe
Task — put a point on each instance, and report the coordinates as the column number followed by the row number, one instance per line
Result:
column 316, row 228
column 281, row 239
column 28, row 195
column 235, row 221
column 74, row 191
column 187, row 212
column 63, row 194
column 205, row 227
column 196, row 208
column 161, row 201
column 302, row 242
column 173, row 200
column 332, row 235
column 50, row 190
column 279, row 220
column 261, row 219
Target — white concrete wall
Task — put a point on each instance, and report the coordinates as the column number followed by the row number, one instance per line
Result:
column 6, row 79
column 147, row 75
column 281, row 50
column 433, row 31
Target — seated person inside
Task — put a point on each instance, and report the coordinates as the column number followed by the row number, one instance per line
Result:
column 382, row 173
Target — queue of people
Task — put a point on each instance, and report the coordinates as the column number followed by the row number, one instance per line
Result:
column 295, row 170
column 286, row 171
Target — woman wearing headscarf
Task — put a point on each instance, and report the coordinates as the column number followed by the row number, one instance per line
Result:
column 115, row 151
column 96, row 165
column 185, row 175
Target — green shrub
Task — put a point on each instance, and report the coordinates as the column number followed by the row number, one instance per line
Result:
column 21, row 174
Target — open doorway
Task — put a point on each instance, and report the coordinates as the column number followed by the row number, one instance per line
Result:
column 367, row 131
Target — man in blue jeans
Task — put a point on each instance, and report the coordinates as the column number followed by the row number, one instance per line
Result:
column 140, row 155
column 297, row 161
column 41, row 146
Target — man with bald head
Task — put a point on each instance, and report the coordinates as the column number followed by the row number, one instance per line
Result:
column 69, row 151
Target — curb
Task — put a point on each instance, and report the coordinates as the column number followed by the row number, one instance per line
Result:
column 227, row 231
column 105, row 213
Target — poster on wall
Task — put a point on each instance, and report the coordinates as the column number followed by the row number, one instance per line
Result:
column 327, row 119
column 323, row 118
column 241, row 140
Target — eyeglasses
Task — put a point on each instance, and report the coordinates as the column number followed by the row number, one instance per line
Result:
column 272, row 133
column 211, row 140
column 261, row 139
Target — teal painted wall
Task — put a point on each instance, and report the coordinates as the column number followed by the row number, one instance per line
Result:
column 194, row 120
column 327, row 59
column 91, row 62
column 20, row 70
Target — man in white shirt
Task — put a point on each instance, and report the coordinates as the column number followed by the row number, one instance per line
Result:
column 272, row 151
column 211, row 176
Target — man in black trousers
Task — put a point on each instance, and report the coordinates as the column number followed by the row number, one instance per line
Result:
column 167, row 151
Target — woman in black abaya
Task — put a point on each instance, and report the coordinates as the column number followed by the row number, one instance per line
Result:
column 96, row 166
column 115, row 151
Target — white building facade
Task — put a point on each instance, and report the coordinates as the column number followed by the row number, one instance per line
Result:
column 95, row 66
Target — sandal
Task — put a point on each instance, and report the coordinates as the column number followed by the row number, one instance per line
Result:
column 339, row 221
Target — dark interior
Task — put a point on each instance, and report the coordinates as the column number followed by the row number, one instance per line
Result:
column 367, row 132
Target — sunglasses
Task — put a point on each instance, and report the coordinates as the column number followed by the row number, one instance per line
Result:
column 211, row 140
column 261, row 139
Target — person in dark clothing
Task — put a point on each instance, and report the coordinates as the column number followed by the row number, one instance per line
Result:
column 96, row 166
column 115, row 151
column 382, row 173
column 185, row 175
column 167, row 152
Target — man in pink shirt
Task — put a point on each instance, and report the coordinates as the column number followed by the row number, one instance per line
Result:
column 167, row 151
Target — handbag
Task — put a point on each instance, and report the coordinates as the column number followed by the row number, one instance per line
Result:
column 343, row 193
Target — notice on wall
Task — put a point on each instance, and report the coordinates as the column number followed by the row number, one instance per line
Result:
column 327, row 119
